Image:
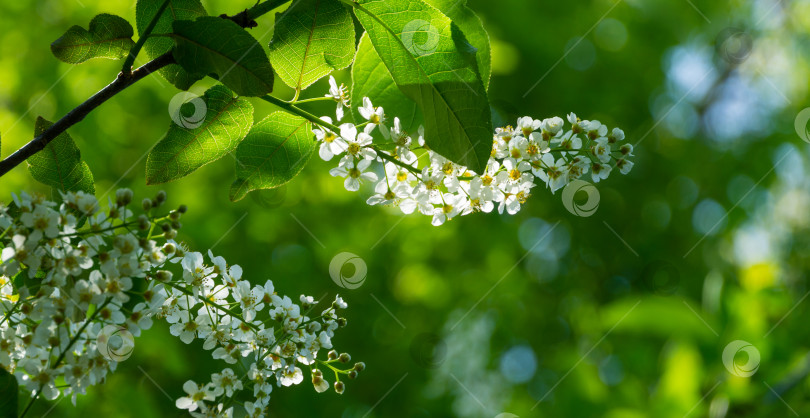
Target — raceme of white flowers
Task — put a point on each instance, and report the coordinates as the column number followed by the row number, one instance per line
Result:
column 67, row 287
column 535, row 149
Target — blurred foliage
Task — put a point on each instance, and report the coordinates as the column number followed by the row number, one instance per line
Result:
column 622, row 314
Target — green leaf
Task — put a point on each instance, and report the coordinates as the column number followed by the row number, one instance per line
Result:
column 434, row 65
column 156, row 46
column 194, row 141
column 220, row 46
column 312, row 38
column 473, row 29
column 60, row 164
column 109, row 36
column 370, row 78
column 274, row 152
column 9, row 393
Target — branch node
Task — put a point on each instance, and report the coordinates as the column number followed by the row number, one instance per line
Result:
column 242, row 19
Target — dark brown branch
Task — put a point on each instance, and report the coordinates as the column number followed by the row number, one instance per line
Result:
column 244, row 19
column 79, row 113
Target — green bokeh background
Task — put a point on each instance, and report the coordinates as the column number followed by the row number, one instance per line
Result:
column 622, row 314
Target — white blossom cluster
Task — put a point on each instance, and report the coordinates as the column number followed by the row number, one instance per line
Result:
column 547, row 150
column 70, row 272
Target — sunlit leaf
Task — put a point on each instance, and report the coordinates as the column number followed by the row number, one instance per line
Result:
column 434, row 65
column 109, row 36
column 370, row 78
column 60, row 164
column 274, row 152
column 212, row 45
column 312, row 38
column 155, row 46
column 473, row 29
column 195, row 140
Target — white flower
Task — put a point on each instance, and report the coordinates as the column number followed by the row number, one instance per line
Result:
column 340, row 95
column 452, row 205
column 355, row 173
column 249, row 299
column 599, row 172
column 226, row 382
column 196, row 396
column 357, row 144
column 331, row 143
column 374, row 115
column 290, row 375
column 601, row 149
column 624, row 165
column 43, row 220
column 526, row 125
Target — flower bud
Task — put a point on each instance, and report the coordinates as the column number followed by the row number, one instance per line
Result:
column 160, row 197
column 345, row 358
column 143, row 222
column 359, row 366
column 169, row 248
column 171, row 234
column 353, row 374
column 341, row 322
column 147, row 204
column 165, row 227
column 123, row 197
column 182, row 209
column 340, row 387
column 332, row 355
column 163, row 276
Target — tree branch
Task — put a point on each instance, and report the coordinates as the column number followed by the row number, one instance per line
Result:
column 76, row 115
column 119, row 84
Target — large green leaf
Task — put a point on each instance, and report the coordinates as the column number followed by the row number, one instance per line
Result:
column 109, row 36
column 370, row 78
column 60, row 164
column 434, row 65
column 311, row 39
column 274, row 152
column 9, row 393
column 193, row 141
column 473, row 29
column 212, row 45
column 155, row 46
